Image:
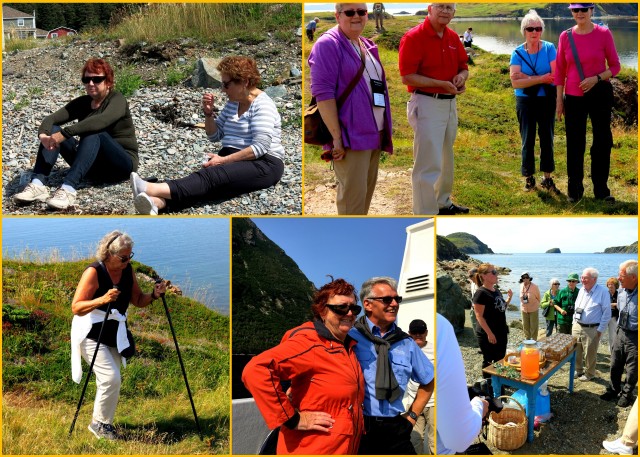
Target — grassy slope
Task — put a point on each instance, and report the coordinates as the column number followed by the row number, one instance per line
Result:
column 154, row 414
column 487, row 149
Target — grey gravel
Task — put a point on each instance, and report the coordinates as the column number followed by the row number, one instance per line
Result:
column 39, row 81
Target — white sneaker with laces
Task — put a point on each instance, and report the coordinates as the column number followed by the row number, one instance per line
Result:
column 102, row 430
column 616, row 447
column 138, row 185
column 144, row 205
column 31, row 193
column 61, row 199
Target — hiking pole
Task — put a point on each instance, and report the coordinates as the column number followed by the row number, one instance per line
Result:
column 93, row 360
column 184, row 373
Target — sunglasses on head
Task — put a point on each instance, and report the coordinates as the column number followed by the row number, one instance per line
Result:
column 124, row 258
column 94, row 79
column 351, row 13
column 343, row 310
column 579, row 10
column 387, row 300
column 533, row 29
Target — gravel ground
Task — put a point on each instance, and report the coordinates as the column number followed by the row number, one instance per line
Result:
column 39, row 81
column 581, row 420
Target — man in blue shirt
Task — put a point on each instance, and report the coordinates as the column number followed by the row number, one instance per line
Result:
column 389, row 358
column 625, row 346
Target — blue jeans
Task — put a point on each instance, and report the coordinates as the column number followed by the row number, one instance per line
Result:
column 537, row 112
column 550, row 325
column 96, row 156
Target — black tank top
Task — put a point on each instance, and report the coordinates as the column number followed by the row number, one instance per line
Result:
column 121, row 304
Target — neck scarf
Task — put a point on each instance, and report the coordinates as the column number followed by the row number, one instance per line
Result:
column 387, row 387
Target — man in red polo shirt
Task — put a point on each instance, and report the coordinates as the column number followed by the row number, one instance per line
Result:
column 433, row 65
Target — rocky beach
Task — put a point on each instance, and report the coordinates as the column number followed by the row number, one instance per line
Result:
column 39, row 81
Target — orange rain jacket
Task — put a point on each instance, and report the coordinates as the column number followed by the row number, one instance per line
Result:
column 325, row 376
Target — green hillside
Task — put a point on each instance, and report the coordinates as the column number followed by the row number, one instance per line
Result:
column 154, row 414
column 469, row 244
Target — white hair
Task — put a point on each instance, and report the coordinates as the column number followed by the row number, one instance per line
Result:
column 530, row 18
column 630, row 267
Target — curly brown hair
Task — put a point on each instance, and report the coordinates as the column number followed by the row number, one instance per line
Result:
column 240, row 68
column 335, row 287
column 98, row 66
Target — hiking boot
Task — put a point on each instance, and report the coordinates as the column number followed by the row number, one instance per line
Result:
column 144, row 205
column 61, row 199
column 548, row 184
column 609, row 395
column 102, row 430
column 616, row 447
column 529, row 184
column 452, row 210
column 31, row 193
column 625, row 400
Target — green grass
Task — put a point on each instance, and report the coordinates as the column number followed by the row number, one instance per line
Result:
column 19, row 44
column 487, row 148
column 128, row 80
column 154, row 414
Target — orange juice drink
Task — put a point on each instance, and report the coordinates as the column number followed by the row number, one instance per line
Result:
column 529, row 360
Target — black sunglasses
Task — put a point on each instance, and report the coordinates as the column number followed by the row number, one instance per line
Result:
column 387, row 300
column 226, row 84
column 343, row 310
column 579, row 10
column 351, row 13
column 95, row 79
column 124, row 258
column 532, row 29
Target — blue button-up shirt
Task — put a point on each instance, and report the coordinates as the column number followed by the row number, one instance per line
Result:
column 407, row 362
column 628, row 302
column 596, row 305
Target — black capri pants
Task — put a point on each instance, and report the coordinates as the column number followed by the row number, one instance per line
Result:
column 226, row 181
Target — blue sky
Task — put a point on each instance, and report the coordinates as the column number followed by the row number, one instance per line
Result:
column 351, row 248
column 537, row 234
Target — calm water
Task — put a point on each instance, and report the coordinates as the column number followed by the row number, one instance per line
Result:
column 192, row 252
column 502, row 37
column 543, row 267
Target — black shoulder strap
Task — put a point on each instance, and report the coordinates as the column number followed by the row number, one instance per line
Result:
column 528, row 64
column 575, row 54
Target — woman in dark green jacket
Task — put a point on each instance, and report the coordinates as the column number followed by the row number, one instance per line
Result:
column 107, row 149
column 565, row 304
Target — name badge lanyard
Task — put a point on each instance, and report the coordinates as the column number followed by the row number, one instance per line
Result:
column 377, row 86
column 627, row 301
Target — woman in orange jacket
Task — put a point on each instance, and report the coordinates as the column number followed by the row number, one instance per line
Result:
column 322, row 412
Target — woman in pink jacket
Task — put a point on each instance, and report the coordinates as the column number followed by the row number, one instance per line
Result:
column 587, row 92
column 529, row 306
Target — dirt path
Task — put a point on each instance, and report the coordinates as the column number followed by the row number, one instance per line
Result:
column 391, row 197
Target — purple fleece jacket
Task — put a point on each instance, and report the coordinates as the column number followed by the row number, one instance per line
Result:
column 333, row 65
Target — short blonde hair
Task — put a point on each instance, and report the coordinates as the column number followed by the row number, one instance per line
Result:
column 112, row 243
column 530, row 18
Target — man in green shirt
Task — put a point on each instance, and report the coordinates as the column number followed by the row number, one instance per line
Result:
column 565, row 304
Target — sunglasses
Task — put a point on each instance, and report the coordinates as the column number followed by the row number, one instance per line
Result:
column 572, row 280
column 387, row 300
column 351, row 13
column 493, row 272
column 579, row 10
column 226, row 84
column 124, row 258
column 343, row 310
column 533, row 29
column 556, row 283
column 94, row 79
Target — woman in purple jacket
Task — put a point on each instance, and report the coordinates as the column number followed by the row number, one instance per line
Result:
column 361, row 127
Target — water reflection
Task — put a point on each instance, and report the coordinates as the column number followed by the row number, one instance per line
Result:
column 502, row 37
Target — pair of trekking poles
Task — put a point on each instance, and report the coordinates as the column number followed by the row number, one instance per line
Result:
column 184, row 373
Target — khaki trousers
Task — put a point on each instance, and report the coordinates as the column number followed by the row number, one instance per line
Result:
column 107, row 371
column 530, row 325
column 422, row 433
column 588, row 340
column 357, row 174
column 435, row 125
column 630, row 434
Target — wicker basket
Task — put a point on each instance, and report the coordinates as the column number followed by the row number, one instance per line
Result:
column 508, row 438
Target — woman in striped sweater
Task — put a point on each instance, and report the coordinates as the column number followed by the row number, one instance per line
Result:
column 249, row 129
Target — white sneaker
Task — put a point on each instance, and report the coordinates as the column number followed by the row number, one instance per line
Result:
column 144, row 205
column 61, row 199
column 138, row 185
column 31, row 193
column 616, row 447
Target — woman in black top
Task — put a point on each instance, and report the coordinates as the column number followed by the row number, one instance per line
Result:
column 613, row 285
column 490, row 308
column 108, row 284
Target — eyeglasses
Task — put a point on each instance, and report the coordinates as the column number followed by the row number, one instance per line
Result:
column 533, row 29
column 556, row 283
column 493, row 272
column 94, row 79
column 387, row 300
column 572, row 280
column 124, row 258
column 579, row 10
column 445, row 8
column 351, row 13
column 343, row 310
column 226, row 84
